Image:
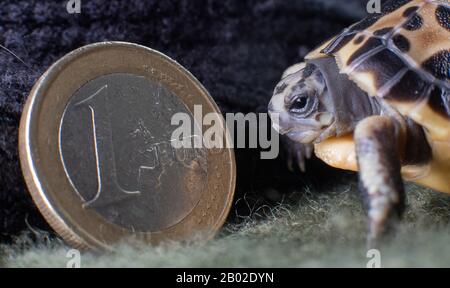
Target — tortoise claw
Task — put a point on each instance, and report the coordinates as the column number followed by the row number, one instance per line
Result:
column 297, row 154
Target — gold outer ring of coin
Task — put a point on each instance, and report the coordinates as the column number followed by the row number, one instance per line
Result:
column 44, row 173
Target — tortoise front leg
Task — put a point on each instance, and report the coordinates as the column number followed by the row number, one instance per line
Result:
column 377, row 151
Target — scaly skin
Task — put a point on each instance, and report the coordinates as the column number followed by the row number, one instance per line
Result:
column 378, row 158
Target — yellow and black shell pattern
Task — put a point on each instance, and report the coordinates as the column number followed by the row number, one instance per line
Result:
column 403, row 56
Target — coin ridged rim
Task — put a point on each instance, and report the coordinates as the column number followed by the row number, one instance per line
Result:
column 64, row 227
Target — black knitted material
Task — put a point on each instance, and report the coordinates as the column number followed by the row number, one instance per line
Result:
column 237, row 49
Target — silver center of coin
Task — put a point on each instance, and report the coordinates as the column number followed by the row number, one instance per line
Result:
column 115, row 145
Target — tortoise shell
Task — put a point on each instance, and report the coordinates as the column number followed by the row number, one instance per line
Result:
column 403, row 56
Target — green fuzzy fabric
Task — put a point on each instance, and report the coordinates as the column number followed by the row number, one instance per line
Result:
column 318, row 230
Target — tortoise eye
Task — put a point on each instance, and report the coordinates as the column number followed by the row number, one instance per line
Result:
column 302, row 105
column 299, row 104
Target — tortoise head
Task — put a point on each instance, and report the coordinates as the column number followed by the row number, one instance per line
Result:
column 300, row 106
column 314, row 101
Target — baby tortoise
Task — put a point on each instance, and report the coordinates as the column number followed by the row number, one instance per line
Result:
column 376, row 99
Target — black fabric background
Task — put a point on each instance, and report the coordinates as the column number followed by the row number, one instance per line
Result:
column 237, row 49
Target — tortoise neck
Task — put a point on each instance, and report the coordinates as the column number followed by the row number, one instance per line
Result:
column 350, row 104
